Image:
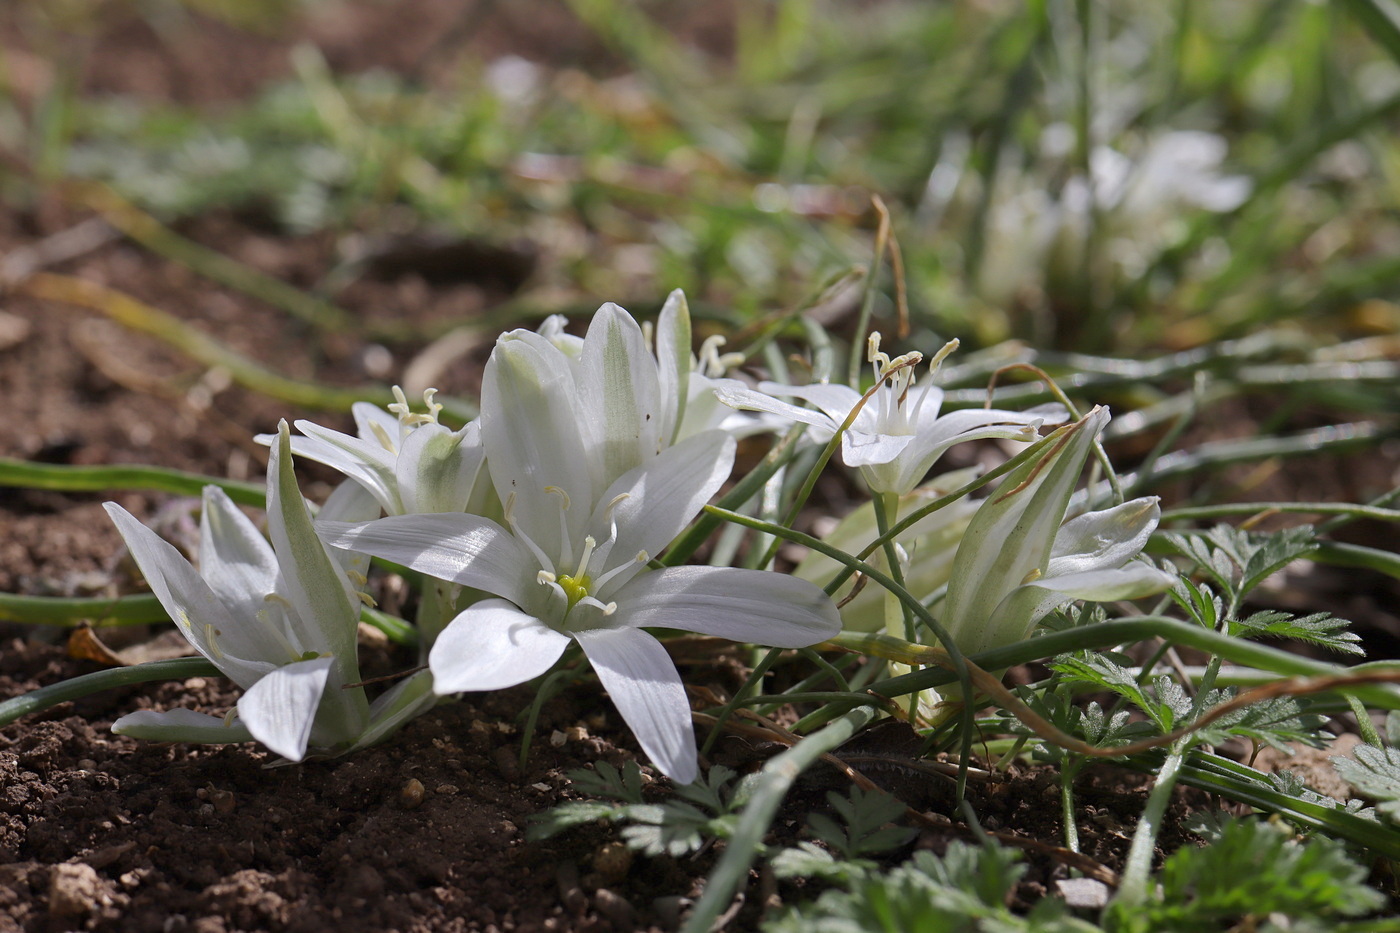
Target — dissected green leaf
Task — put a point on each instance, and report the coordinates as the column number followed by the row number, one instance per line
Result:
column 1320, row 628
column 965, row 890
column 864, row 816
column 1374, row 772
column 1099, row 671
column 1250, row 871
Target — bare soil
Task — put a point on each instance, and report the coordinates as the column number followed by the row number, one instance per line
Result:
column 425, row 832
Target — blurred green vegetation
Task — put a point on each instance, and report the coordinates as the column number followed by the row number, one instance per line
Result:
column 1084, row 175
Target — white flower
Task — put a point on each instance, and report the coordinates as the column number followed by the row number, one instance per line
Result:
column 898, row 434
column 407, row 461
column 279, row 620
column 1019, row 558
column 684, row 383
column 588, row 500
column 925, row 550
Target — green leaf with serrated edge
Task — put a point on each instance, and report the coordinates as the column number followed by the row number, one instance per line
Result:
column 1097, row 670
column 1198, row 601
column 1278, row 722
column 606, row 781
column 1374, row 772
column 566, row 816
column 1276, row 551
column 865, row 815
column 809, row 860
column 1320, row 628
column 1253, row 870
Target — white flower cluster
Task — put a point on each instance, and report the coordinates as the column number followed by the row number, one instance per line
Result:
column 539, row 523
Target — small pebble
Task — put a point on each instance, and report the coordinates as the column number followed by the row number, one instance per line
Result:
column 542, row 787
column 87, row 764
column 557, row 739
column 411, row 794
column 507, row 763
column 14, row 330
column 73, row 890
column 616, row 908
column 445, row 790
column 1083, row 892
column 613, row 860
column 222, row 800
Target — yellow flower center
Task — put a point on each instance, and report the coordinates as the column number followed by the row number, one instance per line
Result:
column 575, row 588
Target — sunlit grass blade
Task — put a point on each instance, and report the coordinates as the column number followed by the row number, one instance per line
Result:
column 141, row 317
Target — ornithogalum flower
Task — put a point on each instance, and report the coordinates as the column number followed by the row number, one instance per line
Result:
column 684, row 383
column 405, row 459
column 898, row 433
column 925, row 551
column 591, row 492
column 278, row 619
column 1019, row 558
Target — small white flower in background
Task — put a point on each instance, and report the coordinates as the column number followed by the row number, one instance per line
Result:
column 591, row 491
column 1138, row 200
column 278, row 619
column 406, row 460
column 898, row 434
column 1019, row 559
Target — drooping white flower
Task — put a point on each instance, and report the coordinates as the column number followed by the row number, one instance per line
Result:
column 590, row 494
column 406, row 460
column 1019, row 558
column 899, row 433
column 278, row 619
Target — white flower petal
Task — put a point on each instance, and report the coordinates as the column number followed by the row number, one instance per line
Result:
column 279, row 710
column 662, row 496
column 324, row 619
column 860, row 449
column 437, row 468
column 234, row 558
column 1106, row 539
column 466, row 549
column 673, row 364
column 530, row 426
column 618, row 389
column 368, row 414
column 181, row 725
column 835, row 400
column 350, row 502
column 756, row 606
column 232, row 645
column 646, row 689
column 366, row 462
column 734, row 394
column 491, row 646
column 1030, row 603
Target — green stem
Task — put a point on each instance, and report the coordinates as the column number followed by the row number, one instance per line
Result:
column 60, row 478
column 737, row 700
column 1102, row 635
column 1132, row 886
column 78, row 687
column 99, row 612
